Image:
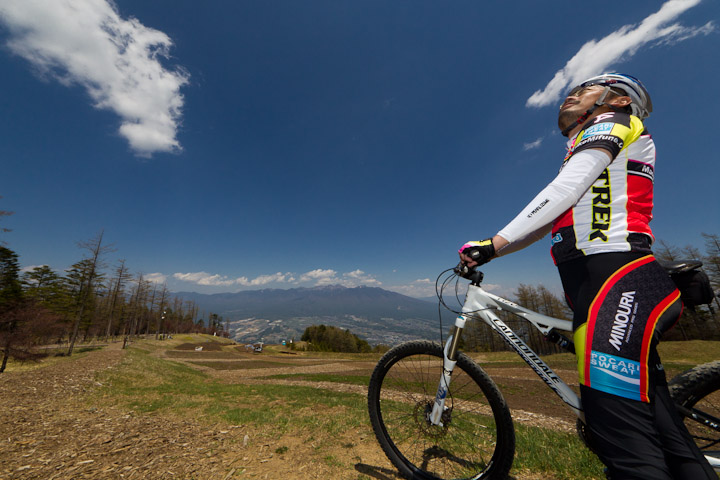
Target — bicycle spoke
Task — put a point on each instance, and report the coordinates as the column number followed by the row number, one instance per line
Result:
column 464, row 446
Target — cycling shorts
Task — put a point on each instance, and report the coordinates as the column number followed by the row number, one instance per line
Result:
column 623, row 302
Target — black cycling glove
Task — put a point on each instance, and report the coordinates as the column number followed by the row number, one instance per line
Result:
column 480, row 252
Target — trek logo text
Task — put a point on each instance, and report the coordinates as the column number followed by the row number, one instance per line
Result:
column 601, row 207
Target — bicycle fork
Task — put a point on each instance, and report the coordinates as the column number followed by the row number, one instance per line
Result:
column 449, row 360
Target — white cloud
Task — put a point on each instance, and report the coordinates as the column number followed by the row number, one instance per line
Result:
column 265, row 279
column 596, row 56
column 355, row 278
column 358, row 277
column 420, row 288
column 30, row 268
column 676, row 33
column 317, row 277
column 204, row 278
column 533, row 145
column 157, row 278
column 322, row 277
column 215, row 280
column 117, row 61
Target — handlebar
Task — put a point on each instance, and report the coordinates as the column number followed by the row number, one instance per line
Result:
column 470, row 273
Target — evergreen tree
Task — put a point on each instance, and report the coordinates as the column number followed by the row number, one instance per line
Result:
column 10, row 300
column 332, row 339
column 10, row 286
column 43, row 285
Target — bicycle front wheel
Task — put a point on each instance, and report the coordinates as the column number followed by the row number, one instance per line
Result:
column 476, row 439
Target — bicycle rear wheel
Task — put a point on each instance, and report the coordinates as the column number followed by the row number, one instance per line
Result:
column 697, row 392
column 477, row 439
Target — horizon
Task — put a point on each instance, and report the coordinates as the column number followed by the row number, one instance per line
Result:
column 316, row 287
column 227, row 147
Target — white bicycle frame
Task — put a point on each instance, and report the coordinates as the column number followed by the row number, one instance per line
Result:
column 482, row 305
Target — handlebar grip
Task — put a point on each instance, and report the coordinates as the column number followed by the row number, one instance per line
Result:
column 470, row 273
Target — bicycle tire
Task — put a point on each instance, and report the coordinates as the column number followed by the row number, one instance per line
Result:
column 699, row 389
column 477, row 440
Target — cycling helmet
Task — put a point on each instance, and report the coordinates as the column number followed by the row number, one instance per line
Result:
column 641, row 105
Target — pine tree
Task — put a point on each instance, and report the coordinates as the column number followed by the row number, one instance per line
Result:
column 10, row 300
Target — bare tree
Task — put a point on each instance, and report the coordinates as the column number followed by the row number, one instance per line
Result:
column 151, row 312
column 688, row 252
column 4, row 213
column 161, row 311
column 121, row 277
column 177, row 312
column 694, row 322
column 666, row 252
column 138, row 307
column 94, row 264
column 711, row 262
column 31, row 324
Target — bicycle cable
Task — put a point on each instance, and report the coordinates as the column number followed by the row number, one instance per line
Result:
column 440, row 289
column 440, row 285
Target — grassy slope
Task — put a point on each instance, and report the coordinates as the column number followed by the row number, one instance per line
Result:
column 149, row 384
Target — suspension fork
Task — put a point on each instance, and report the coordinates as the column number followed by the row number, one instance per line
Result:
column 450, row 353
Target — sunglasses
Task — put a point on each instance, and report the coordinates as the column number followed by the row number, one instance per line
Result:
column 581, row 89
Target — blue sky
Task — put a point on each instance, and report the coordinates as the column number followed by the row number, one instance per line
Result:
column 239, row 145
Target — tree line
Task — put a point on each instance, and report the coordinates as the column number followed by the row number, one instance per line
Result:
column 701, row 322
column 324, row 338
column 42, row 307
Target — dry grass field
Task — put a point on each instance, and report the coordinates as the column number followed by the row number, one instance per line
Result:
column 162, row 410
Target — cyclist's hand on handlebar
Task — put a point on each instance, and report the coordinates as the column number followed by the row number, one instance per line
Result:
column 477, row 253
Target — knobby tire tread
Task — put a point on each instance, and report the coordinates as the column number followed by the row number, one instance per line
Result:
column 696, row 383
column 504, row 450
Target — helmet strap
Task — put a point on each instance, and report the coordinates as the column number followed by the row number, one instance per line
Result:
column 599, row 102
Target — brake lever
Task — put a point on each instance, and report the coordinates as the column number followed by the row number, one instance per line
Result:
column 469, row 273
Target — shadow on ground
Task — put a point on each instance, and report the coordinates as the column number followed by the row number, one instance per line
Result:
column 377, row 472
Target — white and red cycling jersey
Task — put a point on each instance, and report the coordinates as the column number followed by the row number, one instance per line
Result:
column 614, row 213
column 602, row 199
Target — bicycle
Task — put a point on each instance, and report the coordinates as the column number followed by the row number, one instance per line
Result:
column 438, row 415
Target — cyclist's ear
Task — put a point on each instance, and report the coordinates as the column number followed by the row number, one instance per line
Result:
column 619, row 102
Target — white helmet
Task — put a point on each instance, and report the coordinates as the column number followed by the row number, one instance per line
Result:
column 641, row 105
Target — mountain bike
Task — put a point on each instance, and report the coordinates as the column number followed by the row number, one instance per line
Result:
column 438, row 415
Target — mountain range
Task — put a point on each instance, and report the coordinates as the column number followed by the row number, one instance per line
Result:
column 275, row 315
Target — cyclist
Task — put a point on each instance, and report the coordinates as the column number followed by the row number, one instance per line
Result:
column 598, row 209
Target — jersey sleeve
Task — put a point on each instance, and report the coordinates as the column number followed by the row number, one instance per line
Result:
column 575, row 178
column 525, row 241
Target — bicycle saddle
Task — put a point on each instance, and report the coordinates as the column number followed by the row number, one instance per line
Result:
column 681, row 266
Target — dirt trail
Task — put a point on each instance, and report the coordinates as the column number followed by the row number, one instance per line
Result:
column 51, row 428
column 564, row 422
